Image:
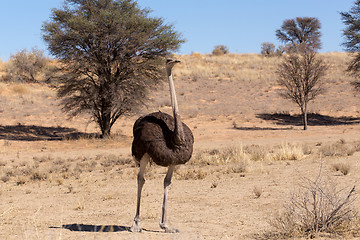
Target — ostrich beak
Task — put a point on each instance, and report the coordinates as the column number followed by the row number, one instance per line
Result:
column 173, row 61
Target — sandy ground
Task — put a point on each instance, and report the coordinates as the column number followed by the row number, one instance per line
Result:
column 96, row 198
column 220, row 206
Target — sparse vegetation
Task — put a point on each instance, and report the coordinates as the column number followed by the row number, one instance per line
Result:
column 217, row 157
column 26, row 66
column 220, row 50
column 339, row 149
column 318, row 207
column 241, row 173
column 227, row 160
column 244, row 154
column 48, row 168
column 342, row 167
column 190, row 173
column 267, row 49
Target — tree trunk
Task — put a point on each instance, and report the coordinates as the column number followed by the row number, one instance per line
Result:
column 304, row 113
column 105, row 125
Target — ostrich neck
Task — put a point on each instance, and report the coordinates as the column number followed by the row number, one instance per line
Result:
column 179, row 131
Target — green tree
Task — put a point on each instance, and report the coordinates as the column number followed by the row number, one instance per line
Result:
column 111, row 53
column 352, row 39
column 300, row 31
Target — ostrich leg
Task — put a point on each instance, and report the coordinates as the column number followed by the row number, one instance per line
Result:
column 167, row 182
column 141, row 180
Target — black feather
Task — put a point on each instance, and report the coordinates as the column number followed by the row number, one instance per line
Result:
column 154, row 134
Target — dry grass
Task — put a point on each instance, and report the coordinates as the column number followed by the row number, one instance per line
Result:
column 207, row 84
column 217, row 157
column 225, row 161
column 318, row 207
column 247, row 67
column 339, row 149
column 341, row 167
column 236, row 159
column 238, row 67
column 287, row 152
column 229, row 84
column 190, row 173
column 56, row 170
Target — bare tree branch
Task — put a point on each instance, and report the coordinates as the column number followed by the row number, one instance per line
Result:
column 301, row 75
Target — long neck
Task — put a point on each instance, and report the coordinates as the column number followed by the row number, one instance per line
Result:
column 179, row 131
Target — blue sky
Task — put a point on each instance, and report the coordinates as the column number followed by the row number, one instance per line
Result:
column 241, row 25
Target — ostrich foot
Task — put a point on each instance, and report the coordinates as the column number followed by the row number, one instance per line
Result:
column 168, row 230
column 136, row 227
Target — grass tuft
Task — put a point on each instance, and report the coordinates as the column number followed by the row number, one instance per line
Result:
column 338, row 149
column 288, row 152
column 344, row 168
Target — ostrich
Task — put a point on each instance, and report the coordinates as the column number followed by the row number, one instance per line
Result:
column 165, row 140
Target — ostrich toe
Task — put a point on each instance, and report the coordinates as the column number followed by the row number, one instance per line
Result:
column 135, row 227
column 169, row 230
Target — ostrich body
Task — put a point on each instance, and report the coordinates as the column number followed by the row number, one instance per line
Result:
column 165, row 140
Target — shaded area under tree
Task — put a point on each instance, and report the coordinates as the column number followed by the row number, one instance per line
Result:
column 314, row 119
column 39, row 133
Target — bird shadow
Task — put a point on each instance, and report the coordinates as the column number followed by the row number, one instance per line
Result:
column 76, row 227
column 95, row 228
column 314, row 119
column 21, row 132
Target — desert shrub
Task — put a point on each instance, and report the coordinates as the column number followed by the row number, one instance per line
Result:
column 341, row 167
column 356, row 85
column 239, row 167
column 20, row 180
column 5, row 178
column 267, row 49
column 38, row 176
column 190, row 174
column 220, row 50
column 318, row 207
column 338, row 149
column 257, row 152
column 112, row 160
column 26, row 66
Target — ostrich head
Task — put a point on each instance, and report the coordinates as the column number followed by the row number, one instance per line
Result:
column 170, row 63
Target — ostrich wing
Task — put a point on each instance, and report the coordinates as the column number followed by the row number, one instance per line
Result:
column 154, row 133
